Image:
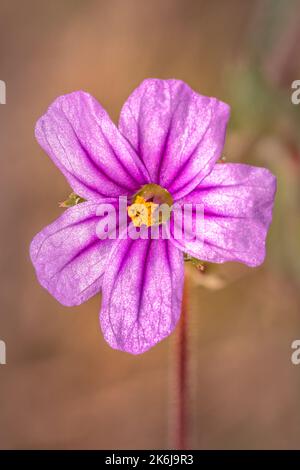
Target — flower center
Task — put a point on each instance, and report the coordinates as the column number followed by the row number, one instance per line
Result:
column 151, row 205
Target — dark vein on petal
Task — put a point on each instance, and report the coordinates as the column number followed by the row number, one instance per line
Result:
column 81, row 251
column 182, row 169
column 96, row 164
column 74, row 224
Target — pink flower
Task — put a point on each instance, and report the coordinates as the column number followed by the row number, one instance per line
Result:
column 168, row 135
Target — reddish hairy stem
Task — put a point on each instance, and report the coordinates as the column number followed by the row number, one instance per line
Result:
column 182, row 374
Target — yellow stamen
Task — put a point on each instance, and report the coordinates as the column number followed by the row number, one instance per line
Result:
column 141, row 212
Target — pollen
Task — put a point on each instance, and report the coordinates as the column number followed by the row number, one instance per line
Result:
column 142, row 212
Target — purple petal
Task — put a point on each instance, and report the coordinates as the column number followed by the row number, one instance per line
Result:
column 177, row 133
column 238, row 201
column 142, row 292
column 96, row 159
column 69, row 258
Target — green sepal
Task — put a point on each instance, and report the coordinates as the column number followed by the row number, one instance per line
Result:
column 194, row 261
column 72, row 200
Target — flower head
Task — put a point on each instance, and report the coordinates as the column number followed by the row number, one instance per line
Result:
column 164, row 150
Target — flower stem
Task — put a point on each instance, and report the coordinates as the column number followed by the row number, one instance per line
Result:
column 182, row 374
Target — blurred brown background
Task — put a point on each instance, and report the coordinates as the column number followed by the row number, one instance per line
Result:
column 63, row 387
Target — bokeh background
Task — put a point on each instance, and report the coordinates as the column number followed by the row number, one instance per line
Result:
column 62, row 386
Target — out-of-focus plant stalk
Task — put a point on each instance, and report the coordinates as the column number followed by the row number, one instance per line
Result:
column 182, row 358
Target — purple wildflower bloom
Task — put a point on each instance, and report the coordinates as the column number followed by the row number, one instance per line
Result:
column 168, row 135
